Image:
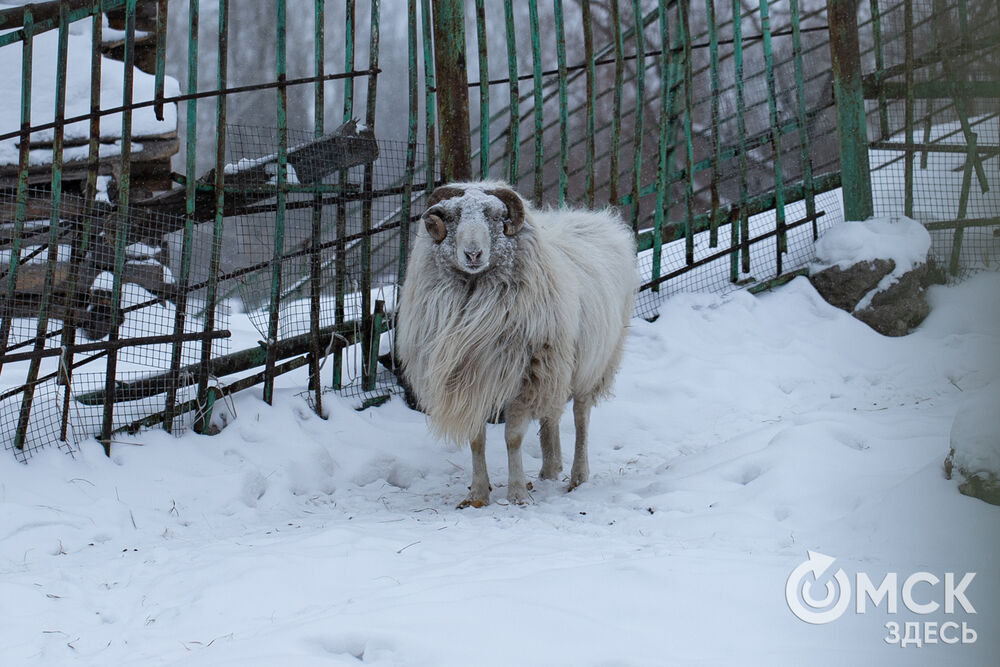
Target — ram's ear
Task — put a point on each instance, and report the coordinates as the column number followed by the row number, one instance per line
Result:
column 515, row 209
column 442, row 193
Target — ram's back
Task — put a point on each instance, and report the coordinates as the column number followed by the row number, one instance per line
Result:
column 599, row 252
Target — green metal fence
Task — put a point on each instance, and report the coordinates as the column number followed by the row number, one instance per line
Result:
column 932, row 78
column 712, row 125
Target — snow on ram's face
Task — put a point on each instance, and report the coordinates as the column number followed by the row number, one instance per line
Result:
column 475, row 241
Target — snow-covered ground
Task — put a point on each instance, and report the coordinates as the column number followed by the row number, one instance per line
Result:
column 745, row 431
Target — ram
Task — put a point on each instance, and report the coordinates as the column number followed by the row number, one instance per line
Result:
column 507, row 309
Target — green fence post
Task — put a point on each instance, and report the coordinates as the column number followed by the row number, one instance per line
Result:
column 452, row 89
column 851, row 129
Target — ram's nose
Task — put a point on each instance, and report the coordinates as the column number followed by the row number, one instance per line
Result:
column 474, row 257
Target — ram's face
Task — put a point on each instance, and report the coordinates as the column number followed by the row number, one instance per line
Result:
column 473, row 228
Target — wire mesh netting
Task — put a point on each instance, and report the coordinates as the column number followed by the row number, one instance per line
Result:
column 934, row 116
column 59, row 305
column 47, row 423
column 340, row 242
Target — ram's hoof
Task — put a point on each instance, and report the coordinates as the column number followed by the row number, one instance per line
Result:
column 472, row 502
column 518, row 497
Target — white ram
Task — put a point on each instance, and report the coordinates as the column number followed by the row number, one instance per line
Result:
column 509, row 309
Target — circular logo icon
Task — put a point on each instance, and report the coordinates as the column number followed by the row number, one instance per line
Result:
column 805, row 578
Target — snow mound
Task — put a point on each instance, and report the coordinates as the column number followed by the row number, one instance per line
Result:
column 975, row 436
column 903, row 240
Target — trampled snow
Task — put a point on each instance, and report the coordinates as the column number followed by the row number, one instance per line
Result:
column 745, row 431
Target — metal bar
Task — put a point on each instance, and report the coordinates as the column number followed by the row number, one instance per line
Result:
column 205, row 408
column 616, row 103
column 750, row 206
column 805, row 159
column 781, row 241
column 663, row 144
column 908, row 113
column 741, row 132
column 24, row 150
column 484, row 92
column 190, row 153
column 722, row 253
column 965, row 222
column 883, row 108
column 452, row 89
column 82, row 237
column 963, row 201
column 430, row 123
column 536, row 91
column 340, row 256
column 851, row 125
column 46, row 15
column 44, row 353
column 411, row 141
column 563, row 164
column 124, row 221
column 62, row 46
column 637, row 131
column 591, row 87
column 369, row 350
column 713, row 66
column 161, row 57
column 315, row 240
column 201, row 95
column 512, row 151
column 280, row 48
column 211, row 293
column 985, row 152
column 685, row 39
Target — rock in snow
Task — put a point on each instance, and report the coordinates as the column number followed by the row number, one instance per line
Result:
column 975, row 449
column 877, row 270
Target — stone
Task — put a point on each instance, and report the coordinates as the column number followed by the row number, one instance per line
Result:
column 896, row 310
column 974, row 457
column 844, row 288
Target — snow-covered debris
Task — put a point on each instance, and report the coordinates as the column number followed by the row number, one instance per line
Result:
column 900, row 239
column 43, row 73
column 975, row 447
column 877, row 270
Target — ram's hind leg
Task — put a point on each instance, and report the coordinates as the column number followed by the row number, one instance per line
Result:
column 479, row 492
column 516, row 423
column 581, row 468
column 551, row 450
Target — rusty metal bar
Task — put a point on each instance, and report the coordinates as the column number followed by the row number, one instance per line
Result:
column 851, row 126
column 42, row 325
column 191, row 134
column 452, row 89
column 124, row 221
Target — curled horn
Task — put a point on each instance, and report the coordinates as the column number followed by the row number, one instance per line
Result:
column 442, row 193
column 434, row 224
column 515, row 209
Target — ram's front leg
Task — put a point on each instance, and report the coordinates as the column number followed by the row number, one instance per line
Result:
column 516, row 423
column 580, row 472
column 479, row 492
